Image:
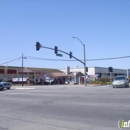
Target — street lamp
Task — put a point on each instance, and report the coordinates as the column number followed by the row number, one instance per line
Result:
column 84, row 60
column 75, row 73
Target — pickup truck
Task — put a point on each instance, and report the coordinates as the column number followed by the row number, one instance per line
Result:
column 4, row 84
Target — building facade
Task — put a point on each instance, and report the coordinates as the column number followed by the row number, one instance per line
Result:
column 101, row 71
column 68, row 74
column 9, row 72
column 38, row 75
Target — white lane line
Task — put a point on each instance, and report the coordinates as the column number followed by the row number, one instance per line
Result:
column 24, row 88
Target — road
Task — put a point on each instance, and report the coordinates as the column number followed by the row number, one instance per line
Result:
column 62, row 107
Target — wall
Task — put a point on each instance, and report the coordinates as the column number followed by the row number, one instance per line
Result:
column 99, row 70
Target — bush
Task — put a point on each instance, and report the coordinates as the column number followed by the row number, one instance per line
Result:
column 105, row 81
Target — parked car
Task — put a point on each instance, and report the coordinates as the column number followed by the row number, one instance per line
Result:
column 120, row 81
column 4, row 84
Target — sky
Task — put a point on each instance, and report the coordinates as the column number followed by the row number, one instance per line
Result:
column 103, row 26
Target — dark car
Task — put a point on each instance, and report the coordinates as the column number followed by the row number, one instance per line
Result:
column 4, row 84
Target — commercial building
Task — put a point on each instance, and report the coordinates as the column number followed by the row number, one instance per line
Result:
column 38, row 75
column 9, row 72
column 67, row 74
column 102, row 72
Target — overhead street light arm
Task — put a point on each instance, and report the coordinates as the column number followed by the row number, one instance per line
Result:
column 79, row 40
column 62, row 52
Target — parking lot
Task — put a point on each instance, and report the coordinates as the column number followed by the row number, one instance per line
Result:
column 63, row 107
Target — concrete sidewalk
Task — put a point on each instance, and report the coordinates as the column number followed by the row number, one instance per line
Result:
column 55, row 86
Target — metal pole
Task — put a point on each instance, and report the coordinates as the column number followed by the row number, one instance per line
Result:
column 75, row 80
column 84, row 63
column 84, row 66
column 127, row 73
column 110, row 76
column 62, row 52
column 22, row 69
column 84, row 60
column 74, row 75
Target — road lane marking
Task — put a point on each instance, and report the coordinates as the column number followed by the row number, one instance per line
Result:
column 24, row 88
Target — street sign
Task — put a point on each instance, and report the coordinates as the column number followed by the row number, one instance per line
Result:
column 59, row 55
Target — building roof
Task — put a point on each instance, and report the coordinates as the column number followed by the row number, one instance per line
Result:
column 45, row 70
column 32, row 69
column 39, row 70
column 93, row 67
column 71, row 74
column 59, row 74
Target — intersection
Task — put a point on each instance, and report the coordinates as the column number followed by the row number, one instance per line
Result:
column 63, row 107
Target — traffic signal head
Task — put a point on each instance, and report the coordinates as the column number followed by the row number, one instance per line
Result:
column 70, row 54
column 38, row 46
column 86, row 69
column 110, row 69
column 56, row 49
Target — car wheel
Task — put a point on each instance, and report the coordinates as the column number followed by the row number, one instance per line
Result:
column 1, row 88
column 126, row 86
column 113, row 87
column 8, row 88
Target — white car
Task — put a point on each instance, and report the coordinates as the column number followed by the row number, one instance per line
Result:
column 120, row 81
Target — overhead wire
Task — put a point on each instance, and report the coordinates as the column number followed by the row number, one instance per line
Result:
column 10, row 61
column 37, row 58
column 8, row 58
column 112, row 58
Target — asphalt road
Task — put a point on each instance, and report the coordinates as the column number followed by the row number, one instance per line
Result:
column 63, row 107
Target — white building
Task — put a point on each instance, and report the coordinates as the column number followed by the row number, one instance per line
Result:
column 101, row 71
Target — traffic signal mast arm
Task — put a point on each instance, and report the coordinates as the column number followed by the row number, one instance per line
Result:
column 62, row 52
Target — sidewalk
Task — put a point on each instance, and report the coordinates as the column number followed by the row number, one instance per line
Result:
column 56, row 86
column 90, row 85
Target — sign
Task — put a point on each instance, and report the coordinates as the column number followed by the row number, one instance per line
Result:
column 19, row 79
column 59, row 55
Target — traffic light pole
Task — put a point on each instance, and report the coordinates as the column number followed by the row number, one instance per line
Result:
column 85, row 83
column 84, row 66
column 66, row 54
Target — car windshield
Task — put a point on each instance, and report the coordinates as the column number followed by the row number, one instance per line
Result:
column 119, row 78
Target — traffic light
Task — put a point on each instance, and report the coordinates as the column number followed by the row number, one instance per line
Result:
column 70, row 54
column 38, row 46
column 86, row 69
column 110, row 69
column 56, row 49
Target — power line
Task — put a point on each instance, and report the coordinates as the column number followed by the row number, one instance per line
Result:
column 8, row 58
column 10, row 61
column 37, row 58
column 113, row 58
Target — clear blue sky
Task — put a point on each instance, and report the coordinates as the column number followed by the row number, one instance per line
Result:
column 102, row 25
